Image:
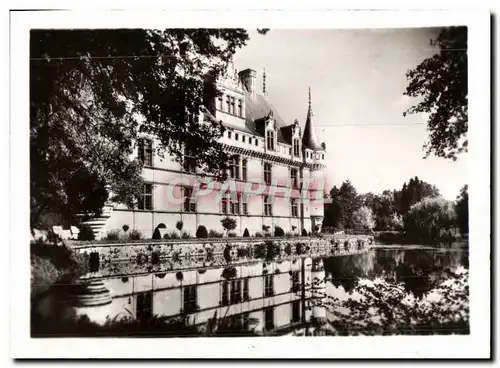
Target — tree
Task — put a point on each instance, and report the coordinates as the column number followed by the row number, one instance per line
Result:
column 462, row 210
column 414, row 192
column 430, row 219
column 441, row 83
column 362, row 218
column 90, row 99
column 228, row 224
column 345, row 201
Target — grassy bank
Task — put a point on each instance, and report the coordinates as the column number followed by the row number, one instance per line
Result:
column 52, row 265
column 403, row 238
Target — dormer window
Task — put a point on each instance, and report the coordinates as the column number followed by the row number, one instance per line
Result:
column 296, row 147
column 270, row 140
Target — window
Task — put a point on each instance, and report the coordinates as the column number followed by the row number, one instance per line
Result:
column 293, row 177
column 322, row 156
column 146, row 201
column 190, row 299
column 295, row 207
column 295, row 280
column 256, row 142
column 144, row 307
column 268, row 285
column 267, row 173
column 243, row 138
column 228, row 104
column 233, row 108
column 244, row 205
column 235, row 292
column 224, row 204
column 244, row 169
column 296, row 147
column 270, row 140
column 189, row 163
column 235, row 205
column 231, row 292
column 249, row 140
column 269, row 318
column 240, row 108
column 245, row 290
column 236, row 136
column 189, row 200
column 229, row 134
column 268, row 207
column 145, row 147
column 296, row 311
column 234, row 167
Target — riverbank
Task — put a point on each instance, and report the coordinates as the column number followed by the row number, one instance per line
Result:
column 401, row 238
column 53, row 264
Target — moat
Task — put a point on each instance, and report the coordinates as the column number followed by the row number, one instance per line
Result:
column 364, row 290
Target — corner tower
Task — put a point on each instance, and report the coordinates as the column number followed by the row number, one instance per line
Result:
column 314, row 158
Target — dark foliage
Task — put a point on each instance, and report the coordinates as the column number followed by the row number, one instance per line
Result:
column 86, row 233
column 278, row 231
column 246, row 234
column 201, row 232
column 441, row 83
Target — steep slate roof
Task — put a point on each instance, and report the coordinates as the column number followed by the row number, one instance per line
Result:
column 257, row 109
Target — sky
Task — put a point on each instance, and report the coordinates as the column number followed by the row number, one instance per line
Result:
column 357, row 80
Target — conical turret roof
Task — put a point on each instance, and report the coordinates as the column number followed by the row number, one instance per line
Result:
column 310, row 139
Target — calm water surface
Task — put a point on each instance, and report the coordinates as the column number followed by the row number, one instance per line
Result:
column 296, row 296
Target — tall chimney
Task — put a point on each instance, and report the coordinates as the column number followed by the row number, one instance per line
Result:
column 248, row 77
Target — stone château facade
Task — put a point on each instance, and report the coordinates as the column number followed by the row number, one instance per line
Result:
column 275, row 178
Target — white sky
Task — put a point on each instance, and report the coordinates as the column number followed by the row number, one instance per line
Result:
column 357, row 79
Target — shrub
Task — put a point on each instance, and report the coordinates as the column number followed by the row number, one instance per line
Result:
column 266, row 228
column 231, row 234
column 278, row 231
column 166, row 236
column 186, row 235
column 157, row 233
column 202, row 232
column 300, row 248
column 228, row 223
column 215, row 234
column 258, row 235
column 242, row 252
column 113, row 235
column 135, row 235
column 43, row 274
column 179, row 225
column 289, row 234
column 229, row 273
column 304, row 232
column 246, row 234
column 174, row 235
column 125, row 228
column 86, row 233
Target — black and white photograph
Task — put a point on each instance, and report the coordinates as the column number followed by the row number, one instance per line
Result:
column 221, row 182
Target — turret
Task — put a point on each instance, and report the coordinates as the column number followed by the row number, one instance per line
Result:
column 310, row 139
column 248, row 77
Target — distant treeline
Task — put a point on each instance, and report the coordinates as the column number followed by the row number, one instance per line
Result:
column 417, row 212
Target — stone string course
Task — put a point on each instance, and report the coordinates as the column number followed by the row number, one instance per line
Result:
column 158, row 256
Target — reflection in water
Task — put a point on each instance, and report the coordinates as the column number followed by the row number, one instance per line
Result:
column 419, row 270
column 259, row 297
